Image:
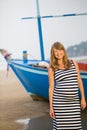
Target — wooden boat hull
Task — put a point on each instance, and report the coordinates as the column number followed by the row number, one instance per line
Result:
column 35, row 79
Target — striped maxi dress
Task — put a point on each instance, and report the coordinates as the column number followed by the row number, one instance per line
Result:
column 66, row 102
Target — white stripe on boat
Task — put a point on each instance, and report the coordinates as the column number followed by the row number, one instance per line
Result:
column 40, row 72
column 30, row 70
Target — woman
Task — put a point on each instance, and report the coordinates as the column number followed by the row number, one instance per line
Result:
column 64, row 82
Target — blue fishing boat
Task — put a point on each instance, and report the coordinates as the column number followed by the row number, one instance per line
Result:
column 32, row 75
column 35, row 78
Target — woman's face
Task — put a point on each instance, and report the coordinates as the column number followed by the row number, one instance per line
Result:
column 58, row 54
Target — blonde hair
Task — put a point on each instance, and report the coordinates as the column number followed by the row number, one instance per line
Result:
column 54, row 60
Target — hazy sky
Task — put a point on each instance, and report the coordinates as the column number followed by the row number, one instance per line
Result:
column 17, row 35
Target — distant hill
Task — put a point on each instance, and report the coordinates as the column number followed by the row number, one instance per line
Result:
column 77, row 50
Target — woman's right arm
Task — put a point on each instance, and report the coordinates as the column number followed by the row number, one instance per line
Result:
column 51, row 89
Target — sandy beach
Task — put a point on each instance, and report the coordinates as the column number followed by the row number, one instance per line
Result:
column 16, row 103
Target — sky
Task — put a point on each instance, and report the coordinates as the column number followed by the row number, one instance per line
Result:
column 17, row 35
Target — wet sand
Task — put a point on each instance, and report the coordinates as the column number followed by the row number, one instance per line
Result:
column 16, row 103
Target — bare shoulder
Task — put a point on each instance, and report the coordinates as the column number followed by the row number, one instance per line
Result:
column 50, row 71
column 76, row 64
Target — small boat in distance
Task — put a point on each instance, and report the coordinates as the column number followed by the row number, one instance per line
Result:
column 32, row 73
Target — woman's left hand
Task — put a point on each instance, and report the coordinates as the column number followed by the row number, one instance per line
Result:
column 83, row 103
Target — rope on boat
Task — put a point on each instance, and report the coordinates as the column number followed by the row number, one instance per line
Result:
column 32, row 56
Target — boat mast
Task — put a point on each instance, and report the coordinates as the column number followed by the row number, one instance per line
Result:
column 40, row 27
column 40, row 31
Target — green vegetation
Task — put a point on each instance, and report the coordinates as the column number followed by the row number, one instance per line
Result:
column 77, row 50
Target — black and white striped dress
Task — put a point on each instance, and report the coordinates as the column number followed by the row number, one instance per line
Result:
column 66, row 100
